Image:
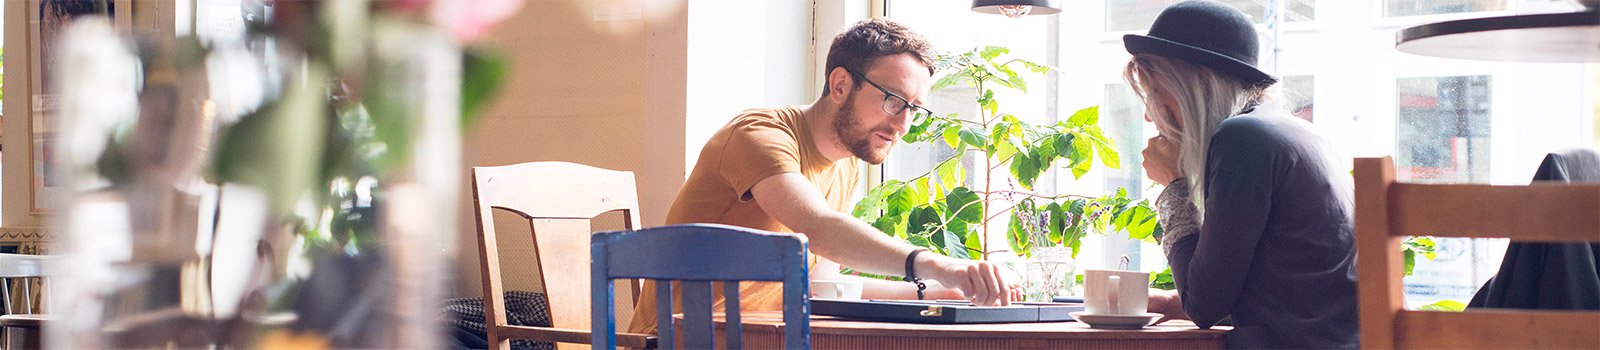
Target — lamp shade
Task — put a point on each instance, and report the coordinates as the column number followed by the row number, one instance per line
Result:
column 1017, row 8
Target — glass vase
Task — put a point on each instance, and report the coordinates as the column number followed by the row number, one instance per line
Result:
column 1049, row 274
column 160, row 256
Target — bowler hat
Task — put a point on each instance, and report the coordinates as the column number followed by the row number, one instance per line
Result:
column 1207, row 33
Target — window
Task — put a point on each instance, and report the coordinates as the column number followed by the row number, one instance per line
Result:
column 1442, row 129
column 1443, row 120
column 1136, row 15
column 1122, row 119
column 1396, row 8
column 1299, row 94
column 1442, row 135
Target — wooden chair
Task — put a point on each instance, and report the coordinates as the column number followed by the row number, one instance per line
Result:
column 1387, row 210
column 695, row 255
column 559, row 200
column 23, row 319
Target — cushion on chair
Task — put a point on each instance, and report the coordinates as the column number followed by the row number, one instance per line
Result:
column 523, row 308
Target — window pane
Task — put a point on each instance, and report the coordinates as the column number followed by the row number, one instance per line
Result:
column 1136, row 15
column 1122, row 120
column 1442, row 129
column 1299, row 95
column 1442, row 136
column 1398, row 8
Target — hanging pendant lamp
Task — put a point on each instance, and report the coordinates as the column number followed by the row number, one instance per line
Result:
column 1017, row 8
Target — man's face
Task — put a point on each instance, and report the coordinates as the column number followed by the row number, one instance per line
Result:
column 862, row 124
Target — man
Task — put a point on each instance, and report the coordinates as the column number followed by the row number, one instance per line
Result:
column 795, row 169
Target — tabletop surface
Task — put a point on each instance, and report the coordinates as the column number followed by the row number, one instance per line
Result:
column 772, row 321
column 1547, row 37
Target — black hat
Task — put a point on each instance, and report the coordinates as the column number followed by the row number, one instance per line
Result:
column 1206, row 33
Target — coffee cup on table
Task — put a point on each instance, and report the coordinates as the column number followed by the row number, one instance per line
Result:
column 1114, row 292
column 836, row 289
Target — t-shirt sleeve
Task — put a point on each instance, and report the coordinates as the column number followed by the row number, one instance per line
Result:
column 757, row 149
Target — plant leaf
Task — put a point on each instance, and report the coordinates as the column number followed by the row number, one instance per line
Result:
column 1038, row 68
column 1445, row 305
column 989, row 53
column 949, row 80
column 954, row 241
column 1108, row 156
column 950, row 174
column 1063, row 144
column 1081, row 160
column 890, row 225
column 1017, row 237
column 1058, row 221
column 922, row 220
column 952, row 135
column 1025, row 168
column 278, row 148
column 964, row 205
column 482, row 74
column 899, row 201
column 975, row 137
column 1411, row 260
column 1086, row 116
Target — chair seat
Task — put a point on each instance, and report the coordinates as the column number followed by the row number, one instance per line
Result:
column 23, row 320
column 23, row 331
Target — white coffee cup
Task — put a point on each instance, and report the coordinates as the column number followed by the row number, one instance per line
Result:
column 1115, row 292
column 836, row 289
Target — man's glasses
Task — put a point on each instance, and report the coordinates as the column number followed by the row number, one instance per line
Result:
column 893, row 104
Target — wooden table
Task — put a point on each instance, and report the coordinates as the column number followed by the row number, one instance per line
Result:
column 764, row 330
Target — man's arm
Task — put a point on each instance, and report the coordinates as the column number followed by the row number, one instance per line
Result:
column 795, row 203
column 873, row 288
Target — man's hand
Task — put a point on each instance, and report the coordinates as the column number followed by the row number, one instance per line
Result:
column 1168, row 304
column 1161, row 160
column 983, row 282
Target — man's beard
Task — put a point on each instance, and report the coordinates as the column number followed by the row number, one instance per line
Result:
column 858, row 137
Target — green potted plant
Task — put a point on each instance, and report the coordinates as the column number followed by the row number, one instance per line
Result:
column 940, row 211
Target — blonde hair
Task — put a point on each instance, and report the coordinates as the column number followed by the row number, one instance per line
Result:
column 1204, row 98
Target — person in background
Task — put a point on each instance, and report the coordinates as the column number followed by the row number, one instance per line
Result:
column 1257, row 212
column 795, row 169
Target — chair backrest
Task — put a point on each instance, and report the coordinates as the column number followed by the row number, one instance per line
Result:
column 696, row 255
column 19, row 274
column 1387, row 210
column 559, row 199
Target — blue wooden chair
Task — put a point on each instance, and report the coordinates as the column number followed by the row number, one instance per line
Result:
column 696, row 255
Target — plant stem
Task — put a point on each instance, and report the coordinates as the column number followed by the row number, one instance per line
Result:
column 988, row 162
column 1030, row 194
column 930, row 171
column 956, row 120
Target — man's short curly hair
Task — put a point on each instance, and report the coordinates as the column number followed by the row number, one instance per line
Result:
column 867, row 40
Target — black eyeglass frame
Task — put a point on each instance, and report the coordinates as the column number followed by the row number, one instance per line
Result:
column 890, row 98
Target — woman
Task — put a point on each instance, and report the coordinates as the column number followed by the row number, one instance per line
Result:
column 1257, row 214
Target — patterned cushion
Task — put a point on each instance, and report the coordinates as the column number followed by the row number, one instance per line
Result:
column 523, row 308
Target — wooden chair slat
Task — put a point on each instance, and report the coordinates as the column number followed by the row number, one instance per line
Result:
column 1386, row 210
column 741, row 254
column 558, row 199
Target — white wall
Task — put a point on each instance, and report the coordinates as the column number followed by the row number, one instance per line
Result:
column 635, row 85
column 742, row 55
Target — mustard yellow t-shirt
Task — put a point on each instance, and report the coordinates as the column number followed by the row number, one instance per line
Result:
column 757, row 144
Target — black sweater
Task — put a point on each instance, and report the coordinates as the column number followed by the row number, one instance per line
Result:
column 1275, row 249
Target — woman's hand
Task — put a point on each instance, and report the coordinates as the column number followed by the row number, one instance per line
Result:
column 1167, row 303
column 1161, row 160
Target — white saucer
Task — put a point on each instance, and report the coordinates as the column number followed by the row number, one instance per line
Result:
column 1116, row 321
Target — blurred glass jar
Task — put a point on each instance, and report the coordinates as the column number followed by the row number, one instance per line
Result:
column 322, row 213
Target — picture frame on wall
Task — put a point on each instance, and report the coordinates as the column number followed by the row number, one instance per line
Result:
column 47, row 19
